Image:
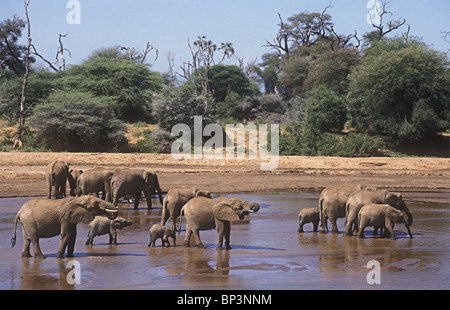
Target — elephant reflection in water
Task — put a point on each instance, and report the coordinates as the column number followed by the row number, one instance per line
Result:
column 37, row 276
column 201, row 266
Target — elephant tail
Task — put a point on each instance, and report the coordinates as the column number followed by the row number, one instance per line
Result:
column 181, row 220
column 13, row 239
column 321, row 209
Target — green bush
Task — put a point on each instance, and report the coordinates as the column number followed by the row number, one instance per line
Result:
column 75, row 121
column 158, row 141
column 307, row 141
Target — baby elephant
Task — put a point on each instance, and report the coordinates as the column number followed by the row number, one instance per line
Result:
column 308, row 215
column 102, row 226
column 380, row 216
column 157, row 231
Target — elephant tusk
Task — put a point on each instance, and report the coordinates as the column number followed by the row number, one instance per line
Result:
column 251, row 211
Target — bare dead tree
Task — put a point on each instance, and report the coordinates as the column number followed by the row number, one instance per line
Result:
column 382, row 12
column 171, row 62
column 281, row 42
column 147, row 50
column 60, row 52
column 34, row 52
column 202, row 54
column 18, row 140
column 129, row 51
column 133, row 54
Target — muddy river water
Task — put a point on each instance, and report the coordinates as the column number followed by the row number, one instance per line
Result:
column 267, row 253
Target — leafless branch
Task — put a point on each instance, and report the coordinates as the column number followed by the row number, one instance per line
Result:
column 34, row 52
column 392, row 25
column 147, row 50
column 60, row 52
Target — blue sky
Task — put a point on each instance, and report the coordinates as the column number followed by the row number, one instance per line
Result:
column 168, row 23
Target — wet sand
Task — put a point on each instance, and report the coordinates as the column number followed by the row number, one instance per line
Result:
column 267, row 253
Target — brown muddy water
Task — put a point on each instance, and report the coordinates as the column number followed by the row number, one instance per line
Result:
column 267, row 253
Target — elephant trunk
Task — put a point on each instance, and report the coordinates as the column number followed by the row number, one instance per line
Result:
column 254, row 207
column 409, row 220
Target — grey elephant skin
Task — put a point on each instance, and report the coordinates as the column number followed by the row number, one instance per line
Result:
column 364, row 197
column 161, row 232
column 308, row 215
column 175, row 199
column 380, row 216
column 332, row 205
column 203, row 213
column 43, row 218
column 94, row 181
column 134, row 181
column 102, row 225
column 56, row 175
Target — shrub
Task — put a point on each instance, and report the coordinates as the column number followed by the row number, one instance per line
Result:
column 77, row 121
column 158, row 141
column 307, row 141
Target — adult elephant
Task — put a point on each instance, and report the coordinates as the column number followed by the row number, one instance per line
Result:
column 332, row 205
column 94, row 181
column 43, row 218
column 364, row 197
column 204, row 213
column 56, row 175
column 134, row 181
column 175, row 200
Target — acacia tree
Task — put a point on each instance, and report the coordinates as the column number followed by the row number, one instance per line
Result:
column 400, row 89
column 203, row 57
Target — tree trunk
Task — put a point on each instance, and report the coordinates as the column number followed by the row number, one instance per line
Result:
column 18, row 141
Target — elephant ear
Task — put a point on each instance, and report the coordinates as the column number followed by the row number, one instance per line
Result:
column 76, row 212
column 224, row 212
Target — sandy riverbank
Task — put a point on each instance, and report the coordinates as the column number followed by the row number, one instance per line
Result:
column 22, row 174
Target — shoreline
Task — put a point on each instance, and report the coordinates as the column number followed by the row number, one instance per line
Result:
column 22, row 174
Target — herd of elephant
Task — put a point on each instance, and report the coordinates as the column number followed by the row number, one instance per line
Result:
column 46, row 218
column 362, row 207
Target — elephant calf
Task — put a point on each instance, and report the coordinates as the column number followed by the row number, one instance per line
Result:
column 380, row 216
column 308, row 215
column 157, row 231
column 102, row 226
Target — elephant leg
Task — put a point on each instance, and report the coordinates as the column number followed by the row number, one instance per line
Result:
column 187, row 238
column 220, row 225
column 137, row 198
column 375, row 231
column 361, row 233
column 390, row 229
column 227, row 231
column 71, row 241
column 348, row 231
column 300, row 227
column 148, row 196
column 165, row 216
column 26, row 244
column 316, row 226
column 173, row 221
column 196, row 233
column 334, row 228
column 37, row 248
column 324, row 223
column 115, row 237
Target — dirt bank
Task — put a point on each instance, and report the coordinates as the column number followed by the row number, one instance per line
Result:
column 22, row 174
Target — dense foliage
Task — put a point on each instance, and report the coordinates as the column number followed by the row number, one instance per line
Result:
column 332, row 94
